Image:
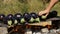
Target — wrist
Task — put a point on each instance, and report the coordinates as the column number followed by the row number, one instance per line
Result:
column 47, row 10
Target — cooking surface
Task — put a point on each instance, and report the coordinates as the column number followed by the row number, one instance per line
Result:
column 42, row 23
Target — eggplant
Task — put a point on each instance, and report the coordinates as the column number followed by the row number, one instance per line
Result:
column 18, row 18
column 52, row 14
column 2, row 16
column 34, row 17
column 27, row 17
column 9, row 19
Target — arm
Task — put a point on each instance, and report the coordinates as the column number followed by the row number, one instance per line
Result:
column 52, row 2
column 48, row 8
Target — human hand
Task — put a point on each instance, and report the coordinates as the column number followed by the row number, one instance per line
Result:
column 46, row 12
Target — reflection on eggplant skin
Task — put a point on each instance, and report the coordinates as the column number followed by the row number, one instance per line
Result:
column 2, row 16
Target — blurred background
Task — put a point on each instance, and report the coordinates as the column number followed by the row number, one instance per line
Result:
column 22, row 6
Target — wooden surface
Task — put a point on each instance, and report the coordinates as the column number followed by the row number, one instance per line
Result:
column 42, row 23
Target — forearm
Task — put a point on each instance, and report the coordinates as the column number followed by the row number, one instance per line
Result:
column 51, row 4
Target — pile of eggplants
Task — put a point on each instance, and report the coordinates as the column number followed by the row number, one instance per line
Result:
column 26, row 18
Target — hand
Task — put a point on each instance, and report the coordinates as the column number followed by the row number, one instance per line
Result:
column 44, row 12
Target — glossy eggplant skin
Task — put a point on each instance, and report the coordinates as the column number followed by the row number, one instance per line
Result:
column 52, row 14
column 18, row 17
column 34, row 16
column 9, row 17
column 27, row 17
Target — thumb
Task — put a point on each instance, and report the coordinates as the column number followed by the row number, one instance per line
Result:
column 46, row 14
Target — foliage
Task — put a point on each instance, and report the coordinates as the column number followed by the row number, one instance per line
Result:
column 22, row 6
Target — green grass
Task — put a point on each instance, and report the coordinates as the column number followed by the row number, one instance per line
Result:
column 22, row 6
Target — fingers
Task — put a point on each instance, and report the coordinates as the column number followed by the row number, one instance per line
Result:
column 47, row 14
column 43, row 12
column 40, row 13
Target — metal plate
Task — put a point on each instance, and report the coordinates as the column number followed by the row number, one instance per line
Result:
column 53, row 19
